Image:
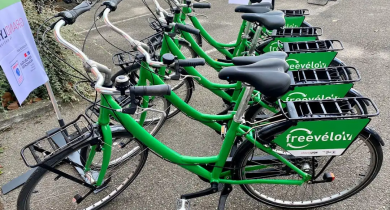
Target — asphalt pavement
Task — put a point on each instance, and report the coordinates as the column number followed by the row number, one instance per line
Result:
column 361, row 25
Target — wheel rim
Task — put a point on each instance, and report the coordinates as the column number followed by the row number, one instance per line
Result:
column 316, row 194
column 48, row 193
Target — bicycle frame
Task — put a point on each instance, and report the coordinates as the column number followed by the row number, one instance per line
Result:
column 169, row 46
column 241, row 42
column 187, row 162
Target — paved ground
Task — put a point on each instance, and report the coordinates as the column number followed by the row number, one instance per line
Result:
column 361, row 25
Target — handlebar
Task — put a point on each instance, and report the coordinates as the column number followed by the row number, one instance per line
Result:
column 154, row 90
column 202, row 5
column 191, row 62
column 187, row 28
column 103, row 83
column 70, row 16
column 112, row 4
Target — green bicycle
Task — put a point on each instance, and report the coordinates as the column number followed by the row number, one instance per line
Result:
column 337, row 85
column 247, row 35
column 279, row 156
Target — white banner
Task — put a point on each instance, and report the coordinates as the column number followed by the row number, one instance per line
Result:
column 19, row 57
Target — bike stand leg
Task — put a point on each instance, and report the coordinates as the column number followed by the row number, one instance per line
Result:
column 227, row 188
column 17, row 182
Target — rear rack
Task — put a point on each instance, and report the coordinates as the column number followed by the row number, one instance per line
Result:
column 330, row 75
column 297, row 32
column 356, row 107
column 296, row 12
column 44, row 149
column 313, row 46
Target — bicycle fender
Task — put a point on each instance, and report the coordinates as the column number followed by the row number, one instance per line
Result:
column 372, row 133
column 356, row 93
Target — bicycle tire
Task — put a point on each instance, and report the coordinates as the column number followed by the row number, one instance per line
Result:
column 23, row 202
column 245, row 151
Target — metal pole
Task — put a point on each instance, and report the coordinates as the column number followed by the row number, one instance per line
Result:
column 55, row 104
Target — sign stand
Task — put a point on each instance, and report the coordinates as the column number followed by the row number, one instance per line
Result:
column 58, row 139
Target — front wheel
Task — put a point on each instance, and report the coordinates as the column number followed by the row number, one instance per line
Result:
column 354, row 170
column 47, row 190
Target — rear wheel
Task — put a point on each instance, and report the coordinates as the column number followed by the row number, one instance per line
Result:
column 354, row 170
column 47, row 190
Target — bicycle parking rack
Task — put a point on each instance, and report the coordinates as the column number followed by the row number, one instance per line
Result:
column 312, row 46
column 296, row 12
column 345, row 108
column 330, row 75
column 297, row 32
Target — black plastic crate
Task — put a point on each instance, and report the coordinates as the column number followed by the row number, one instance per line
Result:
column 346, row 108
column 313, row 46
column 330, row 75
column 297, row 32
column 296, row 12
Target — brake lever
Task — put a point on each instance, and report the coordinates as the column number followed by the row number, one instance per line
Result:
column 100, row 15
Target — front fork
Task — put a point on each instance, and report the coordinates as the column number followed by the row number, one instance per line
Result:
column 103, row 122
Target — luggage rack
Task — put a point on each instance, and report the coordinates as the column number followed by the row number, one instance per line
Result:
column 300, row 32
column 44, row 149
column 330, row 75
column 312, row 46
column 356, row 107
column 129, row 58
column 296, row 12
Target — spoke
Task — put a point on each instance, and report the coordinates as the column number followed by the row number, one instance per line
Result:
column 304, row 193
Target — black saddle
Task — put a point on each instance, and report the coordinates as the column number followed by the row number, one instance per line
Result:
column 259, row 1
column 267, row 76
column 247, row 60
column 254, row 8
column 270, row 20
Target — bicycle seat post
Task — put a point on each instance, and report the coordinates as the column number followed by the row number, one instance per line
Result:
column 254, row 40
column 243, row 104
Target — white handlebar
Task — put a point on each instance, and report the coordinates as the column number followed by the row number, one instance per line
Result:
column 134, row 43
column 88, row 64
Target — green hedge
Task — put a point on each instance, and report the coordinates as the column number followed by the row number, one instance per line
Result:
column 61, row 83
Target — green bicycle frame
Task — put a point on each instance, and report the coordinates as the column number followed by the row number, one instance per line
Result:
column 187, row 162
column 170, row 46
column 241, row 42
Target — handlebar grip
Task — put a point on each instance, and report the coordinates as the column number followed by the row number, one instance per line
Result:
column 154, row 90
column 112, row 4
column 188, row 29
column 191, row 62
column 201, row 5
column 70, row 16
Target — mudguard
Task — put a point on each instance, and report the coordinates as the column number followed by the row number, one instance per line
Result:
column 373, row 134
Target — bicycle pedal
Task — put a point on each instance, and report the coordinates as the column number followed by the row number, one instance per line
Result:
column 328, row 177
column 77, row 199
column 183, row 204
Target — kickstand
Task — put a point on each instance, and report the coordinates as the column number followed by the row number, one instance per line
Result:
column 227, row 188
